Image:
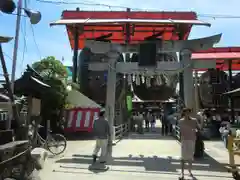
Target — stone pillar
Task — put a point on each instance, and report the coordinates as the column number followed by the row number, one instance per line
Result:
column 188, row 79
column 83, row 60
column 75, row 53
column 111, row 90
column 196, row 93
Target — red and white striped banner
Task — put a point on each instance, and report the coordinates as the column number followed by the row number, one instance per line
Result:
column 81, row 119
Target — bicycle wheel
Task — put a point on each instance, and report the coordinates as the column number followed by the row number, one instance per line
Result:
column 56, row 143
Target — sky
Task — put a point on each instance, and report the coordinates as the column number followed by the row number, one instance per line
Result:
column 43, row 40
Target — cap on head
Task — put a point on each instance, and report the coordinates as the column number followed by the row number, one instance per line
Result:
column 102, row 112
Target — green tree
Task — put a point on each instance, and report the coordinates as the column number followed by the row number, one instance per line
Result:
column 50, row 67
column 53, row 72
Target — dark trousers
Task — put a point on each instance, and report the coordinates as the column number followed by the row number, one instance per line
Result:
column 165, row 128
column 147, row 124
column 170, row 128
column 139, row 127
column 132, row 125
column 199, row 146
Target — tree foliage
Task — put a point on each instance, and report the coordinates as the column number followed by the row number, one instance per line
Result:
column 50, row 67
column 52, row 71
column 57, row 94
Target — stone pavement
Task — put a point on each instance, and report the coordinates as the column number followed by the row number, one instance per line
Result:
column 217, row 150
column 147, row 156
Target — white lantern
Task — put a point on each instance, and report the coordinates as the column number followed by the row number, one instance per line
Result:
column 137, row 80
column 143, row 79
column 133, row 78
column 148, row 81
column 129, row 79
column 159, row 80
column 167, row 80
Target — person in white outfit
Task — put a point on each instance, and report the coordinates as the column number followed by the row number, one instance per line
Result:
column 101, row 131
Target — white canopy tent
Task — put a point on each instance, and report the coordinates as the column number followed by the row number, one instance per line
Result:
column 77, row 99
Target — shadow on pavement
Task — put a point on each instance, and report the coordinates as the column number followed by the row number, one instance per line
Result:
column 98, row 168
column 129, row 171
column 79, row 136
column 154, row 164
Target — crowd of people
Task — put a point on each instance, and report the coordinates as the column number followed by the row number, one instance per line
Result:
column 140, row 119
column 147, row 120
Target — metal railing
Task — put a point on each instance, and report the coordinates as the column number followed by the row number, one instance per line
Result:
column 176, row 132
column 3, row 115
column 120, row 131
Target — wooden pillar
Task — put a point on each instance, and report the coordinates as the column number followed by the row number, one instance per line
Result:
column 231, row 88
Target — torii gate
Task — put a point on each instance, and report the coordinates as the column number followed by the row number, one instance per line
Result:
column 125, row 30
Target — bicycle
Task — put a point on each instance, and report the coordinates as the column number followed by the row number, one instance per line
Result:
column 52, row 140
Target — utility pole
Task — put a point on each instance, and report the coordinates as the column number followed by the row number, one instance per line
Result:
column 15, row 52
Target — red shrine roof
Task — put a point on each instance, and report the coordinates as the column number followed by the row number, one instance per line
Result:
column 221, row 55
column 114, row 25
column 168, row 25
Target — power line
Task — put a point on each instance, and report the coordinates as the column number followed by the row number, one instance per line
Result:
column 86, row 3
column 34, row 39
column 91, row 3
column 218, row 16
column 24, row 32
column 9, row 57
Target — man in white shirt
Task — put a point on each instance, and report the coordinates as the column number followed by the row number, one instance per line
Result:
column 224, row 131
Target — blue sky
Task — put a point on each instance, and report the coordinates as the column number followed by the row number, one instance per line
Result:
column 53, row 41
